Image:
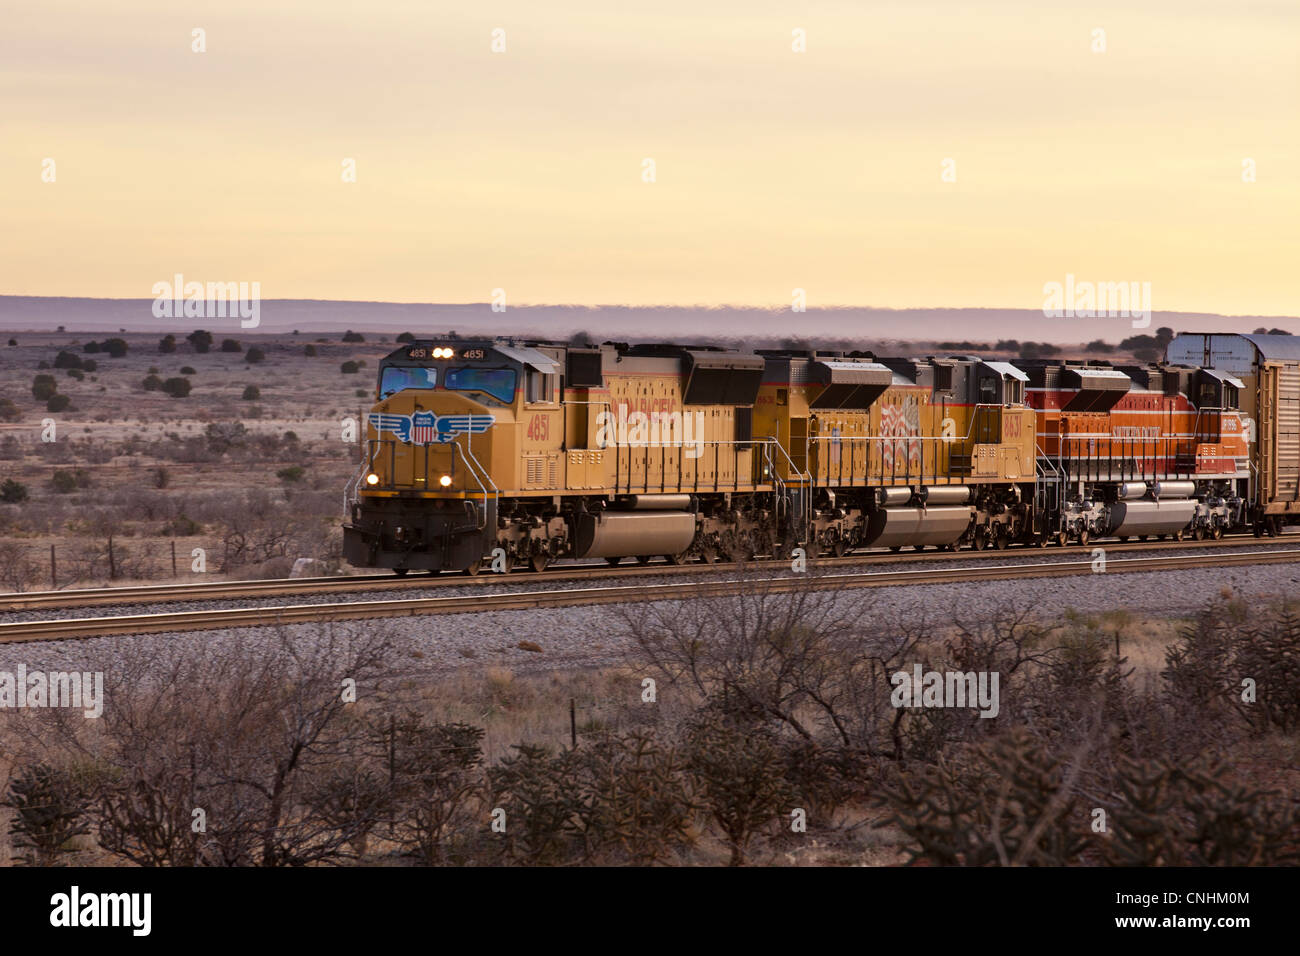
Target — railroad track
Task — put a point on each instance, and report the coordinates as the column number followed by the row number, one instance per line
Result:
column 192, row 592
column 685, row 590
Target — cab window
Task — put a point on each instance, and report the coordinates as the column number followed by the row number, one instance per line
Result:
column 397, row 378
column 540, row 386
column 499, row 383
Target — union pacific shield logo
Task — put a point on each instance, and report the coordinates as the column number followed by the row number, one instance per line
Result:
column 426, row 428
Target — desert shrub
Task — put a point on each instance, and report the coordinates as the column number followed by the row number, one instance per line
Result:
column 152, row 383
column 292, row 473
column 350, row 368
column 231, row 345
column 309, row 351
column 181, row 527
column 435, row 774
column 8, row 410
column 1010, row 801
column 49, row 811
column 13, row 492
column 734, row 759
column 17, row 570
column 200, row 340
column 43, row 386
column 116, row 348
column 67, row 360
column 188, row 370
column 167, row 345
column 65, row 482
column 89, row 365
column 251, row 393
column 58, row 403
column 406, row 337
column 76, row 373
column 223, row 436
column 1166, row 814
column 177, row 387
column 161, row 477
column 250, row 734
column 254, row 355
column 91, row 348
column 350, row 336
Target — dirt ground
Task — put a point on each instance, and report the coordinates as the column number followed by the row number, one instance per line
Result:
column 198, row 471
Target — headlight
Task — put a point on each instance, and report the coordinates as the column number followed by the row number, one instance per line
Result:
column 372, row 479
column 445, row 481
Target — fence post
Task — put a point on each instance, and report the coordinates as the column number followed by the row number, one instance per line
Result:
column 54, row 576
column 573, row 724
column 173, row 557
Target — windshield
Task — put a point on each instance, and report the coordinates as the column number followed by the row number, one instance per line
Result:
column 397, row 378
column 497, row 382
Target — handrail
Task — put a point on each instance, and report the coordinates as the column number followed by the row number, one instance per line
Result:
column 963, row 441
column 350, row 489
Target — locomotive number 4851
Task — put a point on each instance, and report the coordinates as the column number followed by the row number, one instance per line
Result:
column 539, row 427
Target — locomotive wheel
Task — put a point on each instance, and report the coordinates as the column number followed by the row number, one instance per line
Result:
column 1061, row 538
column 839, row 547
column 709, row 554
column 1143, row 537
column 895, row 548
column 1123, row 538
column 918, row 547
column 1217, row 532
column 1083, row 539
column 613, row 562
column 979, row 539
column 1259, row 530
column 1001, row 539
column 1041, row 541
column 1198, row 533
column 643, row 559
column 400, row 572
column 538, row 562
column 474, row 567
column 676, row 558
column 1178, row 535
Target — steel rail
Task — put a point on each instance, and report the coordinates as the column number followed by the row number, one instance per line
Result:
column 194, row 592
column 183, row 621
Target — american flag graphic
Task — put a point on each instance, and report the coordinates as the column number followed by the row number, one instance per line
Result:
column 901, row 421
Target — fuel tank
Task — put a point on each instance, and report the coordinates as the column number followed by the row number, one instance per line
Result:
column 899, row 527
column 616, row 534
column 1130, row 518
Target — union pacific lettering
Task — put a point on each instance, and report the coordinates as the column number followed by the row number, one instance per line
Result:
column 647, row 406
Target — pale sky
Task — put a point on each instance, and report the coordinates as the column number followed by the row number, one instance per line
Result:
column 523, row 170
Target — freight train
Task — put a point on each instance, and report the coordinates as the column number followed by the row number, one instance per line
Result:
column 500, row 452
